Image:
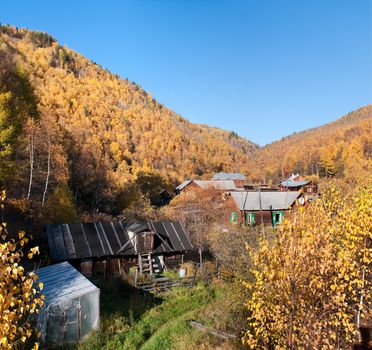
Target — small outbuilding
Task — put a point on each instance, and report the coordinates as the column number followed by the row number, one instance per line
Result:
column 71, row 305
column 297, row 182
column 116, row 248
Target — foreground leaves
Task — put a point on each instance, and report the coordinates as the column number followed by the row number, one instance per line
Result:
column 20, row 297
column 310, row 287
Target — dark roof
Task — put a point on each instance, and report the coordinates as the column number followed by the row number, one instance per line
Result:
column 228, row 176
column 100, row 239
column 266, row 200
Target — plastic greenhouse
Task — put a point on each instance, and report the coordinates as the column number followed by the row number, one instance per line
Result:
column 71, row 309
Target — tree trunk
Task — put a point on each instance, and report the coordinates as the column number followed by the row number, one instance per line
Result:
column 48, row 174
column 31, row 164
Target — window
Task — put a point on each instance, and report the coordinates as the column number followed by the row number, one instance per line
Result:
column 278, row 217
column 233, row 217
column 250, row 219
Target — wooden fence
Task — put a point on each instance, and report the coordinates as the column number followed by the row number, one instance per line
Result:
column 163, row 284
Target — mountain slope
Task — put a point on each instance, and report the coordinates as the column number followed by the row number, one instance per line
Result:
column 329, row 150
column 110, row 129
column 96, row 106
column 95, row 134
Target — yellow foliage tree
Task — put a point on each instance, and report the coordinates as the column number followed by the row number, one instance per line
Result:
column 311, row 285
column 20, row 296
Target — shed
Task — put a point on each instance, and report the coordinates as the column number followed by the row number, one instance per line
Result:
column 118, row 245
column 71, row 305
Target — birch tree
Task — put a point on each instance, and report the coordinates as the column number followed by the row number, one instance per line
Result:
column 312, row 285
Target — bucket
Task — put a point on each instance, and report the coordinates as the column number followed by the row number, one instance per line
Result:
column 182, row 273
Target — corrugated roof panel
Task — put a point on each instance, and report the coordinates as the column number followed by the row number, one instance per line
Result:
column 111, row 236
column 103, row 238
column 69, row 242
column 183, row 235
column 294, row 183
column 183, row 185
column 62, row 282
column 217, row 185
column 269, row 200
column 173, row 236
column 81, row 246
column 58, row 242
column 228, row 176
column 93, row 240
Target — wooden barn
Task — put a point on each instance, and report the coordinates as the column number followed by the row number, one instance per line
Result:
column 239, row 179
column 200, row 185
column 113, row 248
column 297, row 182
column 260, row 208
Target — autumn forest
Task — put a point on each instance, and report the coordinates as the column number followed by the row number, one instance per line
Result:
column 92, row 137
column 79, row 143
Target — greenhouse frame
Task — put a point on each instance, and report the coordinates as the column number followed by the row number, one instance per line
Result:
column 71, row 310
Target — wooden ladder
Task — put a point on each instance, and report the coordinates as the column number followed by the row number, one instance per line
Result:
column 145, row 263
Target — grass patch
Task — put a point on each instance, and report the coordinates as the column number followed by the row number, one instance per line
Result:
column 134, row 320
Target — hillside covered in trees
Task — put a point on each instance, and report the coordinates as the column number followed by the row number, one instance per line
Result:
column 94, row 133
column 342, row 148
column 76, row 137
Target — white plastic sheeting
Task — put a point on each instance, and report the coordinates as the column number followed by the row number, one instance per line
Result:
column 71, row 309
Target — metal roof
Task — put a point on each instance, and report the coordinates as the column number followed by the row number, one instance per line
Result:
column 216, row 184
column 183, row 185
column 63, row 282
column 291, row 183
column 269, row 200
column 292, row 177
column 100, row 239
column 228, row 176
column 209, row 184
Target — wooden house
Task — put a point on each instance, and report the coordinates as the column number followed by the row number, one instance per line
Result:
column 113, row 248
column 200, row 185
column 297, row 182
column 259, row 208
column 239, row 179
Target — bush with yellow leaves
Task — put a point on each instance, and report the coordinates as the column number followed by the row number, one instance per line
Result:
column 20, row 297
column 312, row 285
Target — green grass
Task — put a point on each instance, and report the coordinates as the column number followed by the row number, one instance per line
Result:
column 134, row 320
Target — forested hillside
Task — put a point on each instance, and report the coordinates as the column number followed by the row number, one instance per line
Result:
column 339, row 149
column 90, row 133
column 75, row 137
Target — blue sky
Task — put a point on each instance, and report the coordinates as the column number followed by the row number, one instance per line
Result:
column 263, row 68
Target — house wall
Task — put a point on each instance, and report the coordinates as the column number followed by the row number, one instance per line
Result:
column 192, row 187
column 293, row 189
column 230, row 206
column 310, row 188
column 239, row 183
column 119, row 266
